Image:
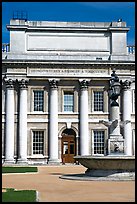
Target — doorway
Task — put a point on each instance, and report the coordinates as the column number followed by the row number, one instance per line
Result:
column 68, row 146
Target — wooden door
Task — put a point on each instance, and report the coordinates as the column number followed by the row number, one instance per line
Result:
column 68, row 149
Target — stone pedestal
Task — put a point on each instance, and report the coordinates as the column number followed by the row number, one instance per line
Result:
column 116, row 140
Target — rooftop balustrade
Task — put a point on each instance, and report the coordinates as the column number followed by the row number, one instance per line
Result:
column 5, row 47
column 130, row 48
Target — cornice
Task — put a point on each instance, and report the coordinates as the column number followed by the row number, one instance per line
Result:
column 23, row 64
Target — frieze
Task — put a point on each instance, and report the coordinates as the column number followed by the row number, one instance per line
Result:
column 68, row 72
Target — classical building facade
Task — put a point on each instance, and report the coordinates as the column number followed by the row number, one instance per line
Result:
column 55, row 90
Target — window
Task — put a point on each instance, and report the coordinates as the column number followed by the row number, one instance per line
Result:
column 38, row 100
column 68, row 101
column 98, row 101
column 98, row 142
column 38, row 142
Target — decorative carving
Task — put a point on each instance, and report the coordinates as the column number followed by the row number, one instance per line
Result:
column 9, row 83
column 125, row 84
column 53, row 84
column 84, row 84
column 114, row 123
column 23, row 83
column 116, row 147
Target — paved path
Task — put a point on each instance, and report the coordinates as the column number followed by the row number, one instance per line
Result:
column 53, row 189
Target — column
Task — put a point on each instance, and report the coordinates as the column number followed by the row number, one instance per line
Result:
column 53, row 123
column 127, row 105
column 22, row 156
column 84, row 132
column 9, row 146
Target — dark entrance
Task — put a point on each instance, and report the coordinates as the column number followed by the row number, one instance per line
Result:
column 68, row 146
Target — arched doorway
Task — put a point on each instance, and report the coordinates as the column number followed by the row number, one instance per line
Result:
column 68, row 146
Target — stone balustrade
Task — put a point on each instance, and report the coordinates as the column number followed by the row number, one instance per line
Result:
column 131, row 49
column 5, row 47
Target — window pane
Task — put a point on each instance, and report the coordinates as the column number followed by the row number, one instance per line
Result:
column 38, row 142
column 71, row 148
column 98, row 142
column 68, row 102
column 65, row 147
column 98, row 101
column 38, row 100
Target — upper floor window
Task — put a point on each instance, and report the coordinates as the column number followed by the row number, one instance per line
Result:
column 68, row 101
column 99, row 142
column 98, row 101
column 38, row 100
column 38, row 142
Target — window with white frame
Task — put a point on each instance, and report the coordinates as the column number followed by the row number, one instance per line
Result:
column 99, row 141
column 68, row 101
column 98, row 101
column 38, row 100
column 38, row 142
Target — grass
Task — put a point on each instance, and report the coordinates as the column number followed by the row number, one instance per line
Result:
column 7, row 169
column 19, row 196
column 12, row 195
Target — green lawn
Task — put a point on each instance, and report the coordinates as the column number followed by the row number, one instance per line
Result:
column 22, row 195
column 19, row 196
column 7, row 169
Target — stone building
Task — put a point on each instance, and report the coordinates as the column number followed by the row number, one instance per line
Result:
column 55, row 82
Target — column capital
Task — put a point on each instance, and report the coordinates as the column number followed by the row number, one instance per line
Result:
column 53, row 83
column 9, row 83
column 23, row 83
column 126, row 84
column 84, row 84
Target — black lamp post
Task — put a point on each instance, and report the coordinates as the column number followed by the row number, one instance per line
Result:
column 114, row 90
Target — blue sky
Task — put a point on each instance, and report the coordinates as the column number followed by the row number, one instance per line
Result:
column 72, row 11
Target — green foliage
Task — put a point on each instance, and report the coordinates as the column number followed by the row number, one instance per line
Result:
column 6, row 169
column 19, row 196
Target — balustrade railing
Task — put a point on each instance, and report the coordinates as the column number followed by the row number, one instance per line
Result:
column 131, row 49
column 5, row 47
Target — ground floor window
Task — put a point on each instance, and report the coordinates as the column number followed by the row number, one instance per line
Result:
column 98, row 142
column 38, row 142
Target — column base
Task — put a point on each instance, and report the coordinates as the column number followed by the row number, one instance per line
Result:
column 54, row 161
column 9, row 162
column 22, row 162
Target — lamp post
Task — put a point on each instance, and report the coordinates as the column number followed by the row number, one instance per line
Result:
column 115, row 87
column 115, row 141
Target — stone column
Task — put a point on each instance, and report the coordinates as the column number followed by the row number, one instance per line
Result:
column 53, row 123
column 84, row 132
column 127, row 105
column 9, row 146
column 22, row 156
